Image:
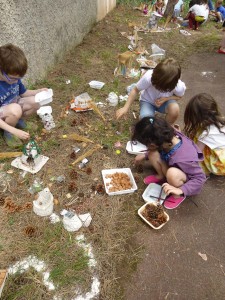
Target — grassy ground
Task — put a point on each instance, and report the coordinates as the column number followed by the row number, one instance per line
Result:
column 115, row 218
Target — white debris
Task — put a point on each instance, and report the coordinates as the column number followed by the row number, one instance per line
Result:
column 38, row 265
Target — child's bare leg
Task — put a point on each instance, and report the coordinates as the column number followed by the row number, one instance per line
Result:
column 172, row 112
column 12, row 113
column 158, row 164
column 29, row 106
column 175, row 177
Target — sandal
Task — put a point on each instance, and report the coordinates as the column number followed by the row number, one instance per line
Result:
column 221, row 51
column 171, row 202
column 153, row 179
column 11, row 140
column 21, row 124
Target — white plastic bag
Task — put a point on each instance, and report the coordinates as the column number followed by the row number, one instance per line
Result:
column 157, row 50
column 112, row 99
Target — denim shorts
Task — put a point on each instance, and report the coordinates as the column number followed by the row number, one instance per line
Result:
column 148, row 110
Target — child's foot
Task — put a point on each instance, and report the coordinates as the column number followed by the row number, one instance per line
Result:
column 171, row 202
column 11, row 140
column 221, row 51
column 21, row 124
column 153, row 179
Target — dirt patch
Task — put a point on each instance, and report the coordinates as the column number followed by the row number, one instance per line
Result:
column 115, row 218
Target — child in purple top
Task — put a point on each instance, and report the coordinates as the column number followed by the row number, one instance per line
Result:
column 174, row 157
column 15, row 100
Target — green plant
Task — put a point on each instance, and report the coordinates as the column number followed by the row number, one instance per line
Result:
column 50, row 144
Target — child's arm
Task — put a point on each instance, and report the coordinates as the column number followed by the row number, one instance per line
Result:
column 196, row 178
column 160, row 101
column 200, row 145
column 132, row 96
column 23, row 135
column 170, row 189
column 29, row 93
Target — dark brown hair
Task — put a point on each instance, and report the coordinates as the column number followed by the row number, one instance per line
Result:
column 166, row 75
column 13, row 60
column 201, row 111
column 155, row 131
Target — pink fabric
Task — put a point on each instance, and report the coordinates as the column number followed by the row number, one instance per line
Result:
column 171, row 202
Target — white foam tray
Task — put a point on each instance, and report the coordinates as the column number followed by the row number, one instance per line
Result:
column 44, row 97
column 141, row 209
column 96, row 84
column 122, row 170
column 136, row 148
column 17, row 163
column 153, row 189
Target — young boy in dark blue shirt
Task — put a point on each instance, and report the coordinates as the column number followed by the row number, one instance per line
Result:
column 15, row 100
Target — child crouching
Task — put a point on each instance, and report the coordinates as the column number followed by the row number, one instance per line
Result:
column 174, row 157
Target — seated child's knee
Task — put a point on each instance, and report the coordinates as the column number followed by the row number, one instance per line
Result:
column 175, row 177
column 15, row 110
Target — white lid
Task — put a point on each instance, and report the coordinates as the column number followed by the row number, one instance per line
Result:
column 44, row 110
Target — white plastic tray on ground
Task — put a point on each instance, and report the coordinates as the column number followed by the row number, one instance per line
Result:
column 140, row 211
column 44, row 97
column 96, row 84
column 122, row 170
column 135, row 148
column 152, row 192
column 17, row 163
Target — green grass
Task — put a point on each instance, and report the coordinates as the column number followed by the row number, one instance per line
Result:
column 66, row 261
column 50, row 144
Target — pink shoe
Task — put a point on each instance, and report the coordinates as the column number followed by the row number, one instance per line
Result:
column 152, row 179
column 171, row 202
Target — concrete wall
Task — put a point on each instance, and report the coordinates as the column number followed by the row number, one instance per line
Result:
column 104, row 6
column 45, row 29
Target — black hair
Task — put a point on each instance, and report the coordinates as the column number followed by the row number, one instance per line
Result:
column 153, row 130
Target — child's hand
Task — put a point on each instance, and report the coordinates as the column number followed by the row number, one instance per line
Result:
column 169, row 189
column 42, row 89
column 23, row 135
column 121, row 112
column 160, row 101
column 138, row 159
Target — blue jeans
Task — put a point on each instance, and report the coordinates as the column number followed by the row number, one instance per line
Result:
column 148, row 110
column 210, row 4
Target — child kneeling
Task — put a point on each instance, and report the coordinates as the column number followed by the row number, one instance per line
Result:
column 174, row 157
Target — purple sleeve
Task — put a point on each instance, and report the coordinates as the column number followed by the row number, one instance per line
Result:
column 22, row 88
column 195, row 178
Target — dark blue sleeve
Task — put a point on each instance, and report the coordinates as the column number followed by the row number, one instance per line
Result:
column 22, row 88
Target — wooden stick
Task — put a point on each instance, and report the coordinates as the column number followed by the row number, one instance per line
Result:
column 95, row 108
column 10, row 154
column 88, row 153
column 74, row 136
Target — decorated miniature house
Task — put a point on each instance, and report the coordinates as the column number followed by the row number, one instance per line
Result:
column 31, row 154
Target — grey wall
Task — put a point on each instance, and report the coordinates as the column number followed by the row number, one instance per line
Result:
column 45, row 29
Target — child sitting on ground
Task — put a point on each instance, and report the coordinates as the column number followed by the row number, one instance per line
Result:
column 197, row 15
column 160, row 88
column 174, row 157
column 220, row 11
column 15, row 100
column 158, row 7
column 205, row 125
